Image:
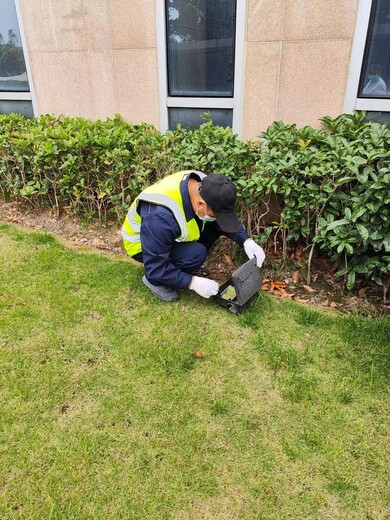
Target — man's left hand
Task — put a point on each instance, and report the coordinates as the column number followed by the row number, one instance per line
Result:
column 253, row 250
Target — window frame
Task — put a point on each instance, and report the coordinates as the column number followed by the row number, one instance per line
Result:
column 362, row 31
column 234, row 103
column 15, row 95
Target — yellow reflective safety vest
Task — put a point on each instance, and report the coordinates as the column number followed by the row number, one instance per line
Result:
column 165, row 192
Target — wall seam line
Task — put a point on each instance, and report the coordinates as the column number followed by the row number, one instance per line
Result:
column 280, row 64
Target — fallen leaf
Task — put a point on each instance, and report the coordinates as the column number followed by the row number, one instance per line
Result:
column 277, row 283
column 228, row 259
column 329, row 303
column 281, row 293
column 198, row 355
column 298, row 254
column 362, row 293
column 314, row 277
column 276, row 288
column 301, row 300
column 309, row 289
column 296, row 276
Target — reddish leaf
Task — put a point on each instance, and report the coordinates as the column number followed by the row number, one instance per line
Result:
column 198, row 355
column 301, row 300
column 266, row 285
column 309, row 289
column 228, row 259
column 296, row 276
column 330, row 303
column 281, row 293
column 298, row 254
column 277, row 283
column 276, row 288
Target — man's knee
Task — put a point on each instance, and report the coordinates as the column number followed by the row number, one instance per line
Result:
column 189, row 256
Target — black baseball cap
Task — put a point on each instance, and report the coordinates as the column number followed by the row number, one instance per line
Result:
column 219, row 192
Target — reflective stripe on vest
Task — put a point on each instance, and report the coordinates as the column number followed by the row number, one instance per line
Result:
column 132, row 218
column 129, row 238
column 173, row 206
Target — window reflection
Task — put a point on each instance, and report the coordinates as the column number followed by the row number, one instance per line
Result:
column 16, row 107
column 192, row 118
column 375, row 78
column 201, row 39
column 13, row 75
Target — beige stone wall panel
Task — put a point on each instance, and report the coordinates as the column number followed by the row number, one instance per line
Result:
column 68, row 24
column 38, row 25
column 319, row 19
column 101, row 84
column 261, row 87
column 136, row 85
column 62, row 84
column 265, row 20
column 312, row 80
column 133, row 24
column 97, row 24
column 75, row 70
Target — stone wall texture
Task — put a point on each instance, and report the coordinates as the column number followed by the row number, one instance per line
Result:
column 93, row 58
column 296, row 61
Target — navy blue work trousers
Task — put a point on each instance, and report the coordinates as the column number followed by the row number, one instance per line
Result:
column 190, row 256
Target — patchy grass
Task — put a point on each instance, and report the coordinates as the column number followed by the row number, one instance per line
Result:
column 105, row 412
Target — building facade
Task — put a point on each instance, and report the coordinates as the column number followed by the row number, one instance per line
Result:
column 247, row 62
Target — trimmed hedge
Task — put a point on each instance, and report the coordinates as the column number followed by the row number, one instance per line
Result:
column 334, row 183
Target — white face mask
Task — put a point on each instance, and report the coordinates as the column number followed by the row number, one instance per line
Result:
column 205, row 218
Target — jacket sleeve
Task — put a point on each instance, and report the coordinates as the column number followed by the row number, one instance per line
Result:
column 238, row 237
column 159, row 229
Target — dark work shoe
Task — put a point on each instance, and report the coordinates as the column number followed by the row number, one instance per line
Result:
column 166, row 294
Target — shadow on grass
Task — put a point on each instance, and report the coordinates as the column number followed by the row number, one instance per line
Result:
column 252, row 315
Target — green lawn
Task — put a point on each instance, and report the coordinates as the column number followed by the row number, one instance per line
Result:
column 105, row 412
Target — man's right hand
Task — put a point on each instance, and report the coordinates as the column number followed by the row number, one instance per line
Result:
column 204, row 287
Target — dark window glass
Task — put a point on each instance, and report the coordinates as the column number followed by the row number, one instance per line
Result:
column 201, row 39
column 375, row 77
column 190, row 118
column 16, row 107
column 379, row 117
column 13, row 75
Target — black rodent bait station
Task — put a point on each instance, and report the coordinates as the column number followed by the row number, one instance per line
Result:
column 238, row 291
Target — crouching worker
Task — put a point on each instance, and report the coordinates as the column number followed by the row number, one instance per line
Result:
column 172, row 224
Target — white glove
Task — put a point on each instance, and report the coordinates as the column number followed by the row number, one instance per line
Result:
column 253, row 250
column 204, row 287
